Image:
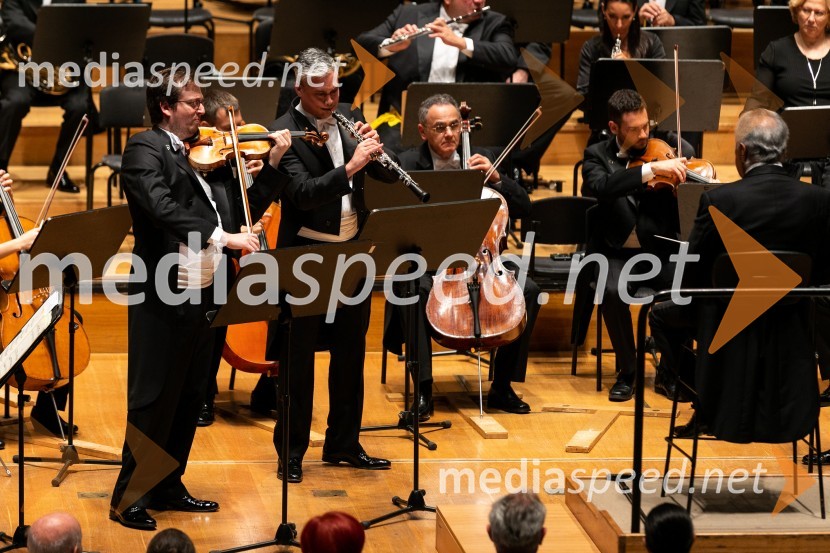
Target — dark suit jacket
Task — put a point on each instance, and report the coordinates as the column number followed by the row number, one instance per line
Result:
column 624, row 201
column 761, row 385
column 494, row 56
column 166, row 203
column 20, row 17
column 685, row 12
column 518, row 202
column 313, row 198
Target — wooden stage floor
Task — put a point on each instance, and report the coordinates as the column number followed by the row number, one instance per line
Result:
column 234, row 461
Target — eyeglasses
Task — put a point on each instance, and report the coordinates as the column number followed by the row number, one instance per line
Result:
column 192, row 103
column 441, row 128
column 807, row 12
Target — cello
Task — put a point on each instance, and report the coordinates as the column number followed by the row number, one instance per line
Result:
column 47, row 366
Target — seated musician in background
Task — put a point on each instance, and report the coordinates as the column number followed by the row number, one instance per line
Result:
column 673, row 13
column 20, row 17
column 15, row 245
column 476, row 50
column 216, row 103
column 170, row 346
column 323, row 204
column 439, row 123
column 781, row 213
column 630, row 215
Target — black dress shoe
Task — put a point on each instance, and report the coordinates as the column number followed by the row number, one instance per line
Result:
column 824, row 397
column 2, row 444
column 186, row 503
column 621, row 391
column 824, row 457
column 64, row 185
column 295, row 470
column 358, row 460
column 50, row 422
column 206, row 417
column 688, row 430
column 134, row 517
column 665, row 384
column 425, row 405
column 506, row 400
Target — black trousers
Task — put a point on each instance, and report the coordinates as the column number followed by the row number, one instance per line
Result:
column 15, row 101
column 174, row 345
column 347, row 346
column 673, row 327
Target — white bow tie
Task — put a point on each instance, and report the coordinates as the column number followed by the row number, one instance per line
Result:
column 327, row 122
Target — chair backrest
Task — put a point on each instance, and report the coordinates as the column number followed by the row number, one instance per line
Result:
column 770, row 23
column 559, row 220
column 122, row 106
column 696, row 43
column 168, row 49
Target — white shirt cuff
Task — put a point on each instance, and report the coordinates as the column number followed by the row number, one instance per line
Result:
column 216, row 237
column 468, row 51
column 647, row 174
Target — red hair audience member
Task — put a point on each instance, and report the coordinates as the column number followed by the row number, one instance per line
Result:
column 333, row 532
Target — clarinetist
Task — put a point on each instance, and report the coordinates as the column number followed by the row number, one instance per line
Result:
column 324, row 203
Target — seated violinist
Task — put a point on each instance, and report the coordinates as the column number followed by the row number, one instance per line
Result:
column 263, row 398
column 630, row 216
column 439, row 122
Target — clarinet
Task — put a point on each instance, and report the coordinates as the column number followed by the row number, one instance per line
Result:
column 382, row 158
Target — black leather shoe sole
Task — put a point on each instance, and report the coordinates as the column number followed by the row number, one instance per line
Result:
column 517, row 407
column 621, row 392
column 363, row 462
column 137, row 520
column 52, row 425
column 825, row 459
column 295, row 474
column 192, row 506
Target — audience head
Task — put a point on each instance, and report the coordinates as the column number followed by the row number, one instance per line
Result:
column 175, row 102
column 517, row 523
column 760, row 137
column 669, row 529
column 316, row 82
column 619, row 18
column 333, row 532
column 171, row 540
column 628, row 119
column 810, row 14
column 54, row 533
column 216, row 104
column 439, row 123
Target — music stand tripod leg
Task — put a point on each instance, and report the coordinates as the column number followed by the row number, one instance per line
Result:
column 18, row 540
column 286, row 534
column 415, row 501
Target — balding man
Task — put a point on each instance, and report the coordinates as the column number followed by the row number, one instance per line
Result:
column 54, row 533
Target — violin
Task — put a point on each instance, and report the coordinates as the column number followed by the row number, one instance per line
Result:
column 469, row 319
column 212, row 148
column 47, row 367
column 697, row 170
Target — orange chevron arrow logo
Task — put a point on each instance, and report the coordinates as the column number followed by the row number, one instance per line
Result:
column 763, row 279
column 375, row 71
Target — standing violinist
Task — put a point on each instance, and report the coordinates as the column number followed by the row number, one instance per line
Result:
column 628, row 218
column 180, row 215
column 324, row 203
column 439, row 123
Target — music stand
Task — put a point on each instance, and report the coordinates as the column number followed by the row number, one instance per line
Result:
column 809, row 137
column 259, row 102
column 11, row 364
column 487, row 100
column 238, row 310
column 81, row 33
column 770, row 23
column 90, row 239
column 434, row 232
column 544, row 21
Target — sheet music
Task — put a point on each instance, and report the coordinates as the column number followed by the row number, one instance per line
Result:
column 41, row 320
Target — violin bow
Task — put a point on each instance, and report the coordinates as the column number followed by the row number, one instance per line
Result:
column 522, row 131
column 240, row 168
column 79, row 132
column 677, row 97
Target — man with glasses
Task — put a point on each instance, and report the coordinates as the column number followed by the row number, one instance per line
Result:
column 439, row 123
column 177, row 215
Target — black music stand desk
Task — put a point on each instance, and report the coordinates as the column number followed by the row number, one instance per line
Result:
column 287, row 297
column 83, row 244
column 809, row 132
column 544, row 21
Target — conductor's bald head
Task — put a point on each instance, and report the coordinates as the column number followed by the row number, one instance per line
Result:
column 54, row 533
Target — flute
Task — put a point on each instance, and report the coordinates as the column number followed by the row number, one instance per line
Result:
column 382, row 158
column 425, row 30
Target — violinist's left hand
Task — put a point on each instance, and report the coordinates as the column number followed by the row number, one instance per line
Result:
column 441, row 30
column 481, row 163
column 282, row 141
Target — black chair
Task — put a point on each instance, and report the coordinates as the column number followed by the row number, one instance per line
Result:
column 586, row 16
column 724, row 276
column 168, row 49
column 122, row 107
column 737, row 18
column 197, row 16
column 771, row 23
